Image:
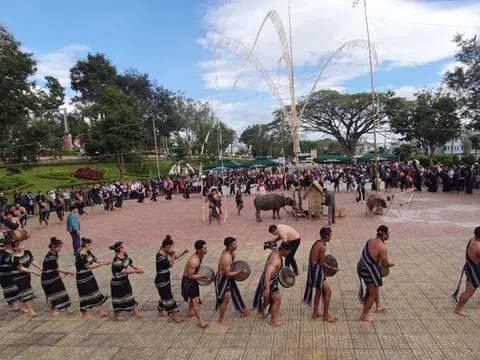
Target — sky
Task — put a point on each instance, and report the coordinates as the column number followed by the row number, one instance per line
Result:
column 179, row 43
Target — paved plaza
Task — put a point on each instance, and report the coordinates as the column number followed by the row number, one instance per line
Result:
column 427, row 245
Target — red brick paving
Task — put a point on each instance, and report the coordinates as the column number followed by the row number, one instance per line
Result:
column 427, row 245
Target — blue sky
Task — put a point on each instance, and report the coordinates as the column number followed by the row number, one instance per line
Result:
column 173, row 42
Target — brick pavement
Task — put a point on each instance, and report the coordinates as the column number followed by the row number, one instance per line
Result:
column 427, row 245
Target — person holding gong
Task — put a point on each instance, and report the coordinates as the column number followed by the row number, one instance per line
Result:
column 316, row 279
column 225, row 285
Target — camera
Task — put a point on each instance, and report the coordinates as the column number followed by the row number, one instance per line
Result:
column 271, row 245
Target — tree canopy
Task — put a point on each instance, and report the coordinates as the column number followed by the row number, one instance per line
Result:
column 346, row 117
column 465, row 79
column 431, row 119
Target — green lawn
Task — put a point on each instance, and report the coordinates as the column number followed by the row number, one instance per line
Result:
column 36, row 176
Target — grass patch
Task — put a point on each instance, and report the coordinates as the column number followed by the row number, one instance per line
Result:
column 45, row 177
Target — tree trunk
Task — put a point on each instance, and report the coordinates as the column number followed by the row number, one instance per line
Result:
column 120, row 166
column 431, row 151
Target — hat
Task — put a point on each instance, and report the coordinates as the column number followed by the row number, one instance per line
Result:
column 382, row 230
column 199, row 244
column 325, row 232
column 229, row 241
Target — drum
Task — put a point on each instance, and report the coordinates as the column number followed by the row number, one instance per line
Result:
column 241, row 265
column 286, row 277
column 15, row 235
column 384, row 271
column 25, row 234
column 206, row 270
column 330, row 261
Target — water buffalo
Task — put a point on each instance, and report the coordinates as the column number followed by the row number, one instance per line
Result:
column 271, row 202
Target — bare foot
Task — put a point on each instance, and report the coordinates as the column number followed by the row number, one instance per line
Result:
column 315, row 316
column 24, row 310
column 162, row 314
column 190, row 314
column 276, row 323
column 104, row 314
column 70, row 311
column 461, row 312
column 222, row 322
column 54, row 313
column 16, row 308
column 381, row 308
column 245, row 313
column 176, row 319
column 87, row 316
column 32, row 313
column 368, row 318
column 329, row 318
column 262, row 314
column 119, row 317
column 137, row 314
column 203, row 324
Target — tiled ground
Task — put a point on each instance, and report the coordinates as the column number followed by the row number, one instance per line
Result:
column 427, row 245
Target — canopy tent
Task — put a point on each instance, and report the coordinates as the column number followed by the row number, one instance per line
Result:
column 261, row 162
column 331, row 158
column 226, row 164
column 368, row 157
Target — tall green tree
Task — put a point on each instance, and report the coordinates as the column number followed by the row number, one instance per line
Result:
column 431, row 119
column 91, row 75
column 346, row 117
column 475, row 140
column 117, row 130
column 465, row 79
column 16, row 98
column 256, row 138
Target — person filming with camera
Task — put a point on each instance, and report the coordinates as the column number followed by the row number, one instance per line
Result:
column 290, row 235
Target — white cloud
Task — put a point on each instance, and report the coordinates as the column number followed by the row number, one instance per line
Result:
column 319, row 27
column 59, row 62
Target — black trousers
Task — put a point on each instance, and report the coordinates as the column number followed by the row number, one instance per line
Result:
column 290, row 259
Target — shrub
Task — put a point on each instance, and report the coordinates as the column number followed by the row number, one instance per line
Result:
column 71, row 152
column 470, row 159
column 88, row 174
column 11, row 182
column 137, row 168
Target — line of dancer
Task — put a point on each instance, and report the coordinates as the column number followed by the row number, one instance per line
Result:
column 18, row 265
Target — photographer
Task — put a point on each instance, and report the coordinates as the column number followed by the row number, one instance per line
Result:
column 290, row 235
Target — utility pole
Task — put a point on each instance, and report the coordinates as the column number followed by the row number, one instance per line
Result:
column 156, row 147
column 374, row 103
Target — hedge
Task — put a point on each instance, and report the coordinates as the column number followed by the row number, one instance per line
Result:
column 11, row 182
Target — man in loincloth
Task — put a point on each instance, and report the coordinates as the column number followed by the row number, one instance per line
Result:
column 289, row 234
column 190, row 288
column 239, row 199
column 268, row 293
column 374, row 255
column 225, row 285
column 316, row 277
column 472, row 270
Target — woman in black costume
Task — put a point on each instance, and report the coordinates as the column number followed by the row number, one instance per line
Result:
column 52, row 284
column 164, row 260
column 88, row 291
column 121, row 289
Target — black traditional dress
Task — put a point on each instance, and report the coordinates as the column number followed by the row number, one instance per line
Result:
column 90, row 295
column 10, row 290
column 163, row 284
column 122, row 293
column 52, row 283
column 21, row 278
